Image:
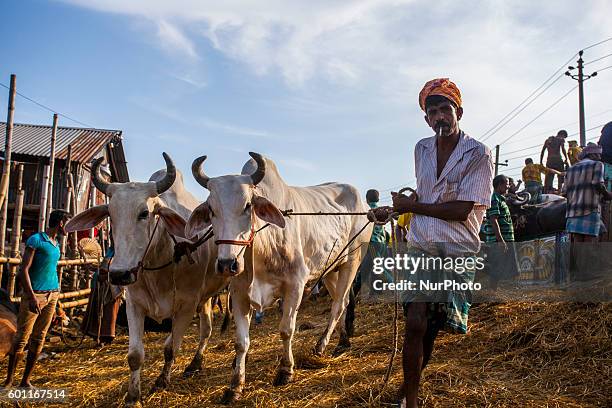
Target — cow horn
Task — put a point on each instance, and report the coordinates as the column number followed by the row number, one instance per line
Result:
column 165, row 183
column 259, row 174
column 198, row 173
column 101, row 184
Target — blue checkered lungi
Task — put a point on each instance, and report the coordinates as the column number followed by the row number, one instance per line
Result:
column 589, row 224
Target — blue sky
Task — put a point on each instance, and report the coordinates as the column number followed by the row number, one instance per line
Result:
column 327, row 89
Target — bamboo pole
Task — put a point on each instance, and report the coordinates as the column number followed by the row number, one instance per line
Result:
column 43, row 199
column 65, row 295
column 3, row 221
column 4, row 182
column 16, row 238
column 51, row 170
column 61, row 262
column 92, row 203
column 74, row 303
column 66, row 207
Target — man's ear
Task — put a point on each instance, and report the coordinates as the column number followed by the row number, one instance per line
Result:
column 175, row 224
column 267, row 211
column 198, row 220
column 87, row 219
column 459, row 113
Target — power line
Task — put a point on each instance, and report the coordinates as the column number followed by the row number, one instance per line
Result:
column 598, row 59
column 604, row 68
column 597, row 43
column 493, row 130
column 488, row 133
column 539, row 115
column 560, row 126
column 48, row 108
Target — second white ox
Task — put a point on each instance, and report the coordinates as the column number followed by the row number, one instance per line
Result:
column 141, row 239
column 285, row 258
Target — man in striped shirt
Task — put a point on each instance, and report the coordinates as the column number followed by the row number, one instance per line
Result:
column 454, row 184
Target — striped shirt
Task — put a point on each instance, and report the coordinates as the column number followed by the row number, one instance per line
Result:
column 467, row 176
column 581, row 181
column 499, row 209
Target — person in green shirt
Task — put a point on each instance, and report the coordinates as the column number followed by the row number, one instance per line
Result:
column 499, row 233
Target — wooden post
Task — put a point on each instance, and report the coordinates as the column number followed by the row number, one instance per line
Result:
column 51, row 170
column 4, row 182
column 92, row 203
column 66, row 207
column 16, row 238
column 43, row 199
column 3, row 221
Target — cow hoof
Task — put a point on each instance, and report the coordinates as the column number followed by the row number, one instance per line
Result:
column 283, row 377
column 161, row 383
column 230, row 396
column 341, row 349
column 191, row 370
column 132, row 400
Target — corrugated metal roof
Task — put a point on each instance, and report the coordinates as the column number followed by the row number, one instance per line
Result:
column 35, row 140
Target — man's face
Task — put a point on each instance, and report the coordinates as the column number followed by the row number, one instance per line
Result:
column 443, row 116
column 502, row 188
column 61, row 227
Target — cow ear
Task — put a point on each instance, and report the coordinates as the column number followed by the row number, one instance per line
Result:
column 87, row 219
column 175, row 224
column 268, row 211
column 199, row 220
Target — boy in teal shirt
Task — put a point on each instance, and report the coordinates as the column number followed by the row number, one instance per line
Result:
column 40, row 284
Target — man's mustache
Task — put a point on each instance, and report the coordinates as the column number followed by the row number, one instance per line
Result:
column 441, row 124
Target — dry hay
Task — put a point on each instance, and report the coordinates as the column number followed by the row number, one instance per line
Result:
column 516, row 355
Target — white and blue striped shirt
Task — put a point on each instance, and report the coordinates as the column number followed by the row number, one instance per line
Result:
column 467, row 176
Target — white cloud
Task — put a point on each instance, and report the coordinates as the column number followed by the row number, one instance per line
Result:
column 496, row 51
column 173, row 40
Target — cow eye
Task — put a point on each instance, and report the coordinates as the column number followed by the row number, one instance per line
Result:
column 143, row 215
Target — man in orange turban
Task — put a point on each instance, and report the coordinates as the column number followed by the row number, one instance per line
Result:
column 441, row 87
column 454, row 189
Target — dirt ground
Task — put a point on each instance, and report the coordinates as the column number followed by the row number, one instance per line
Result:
column 516, row 354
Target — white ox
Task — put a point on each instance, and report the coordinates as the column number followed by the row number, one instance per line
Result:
column 174, row 291
column 286, row 258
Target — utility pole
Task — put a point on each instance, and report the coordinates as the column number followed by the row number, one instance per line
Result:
column 580, row 77
column 497, row 163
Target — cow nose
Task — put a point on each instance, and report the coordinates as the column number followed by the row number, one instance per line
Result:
column 227, row 266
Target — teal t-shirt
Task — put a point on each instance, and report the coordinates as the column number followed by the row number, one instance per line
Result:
column 43, row 271
column 378, row 232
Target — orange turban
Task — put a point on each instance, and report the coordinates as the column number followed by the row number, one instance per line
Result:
column 440, row 86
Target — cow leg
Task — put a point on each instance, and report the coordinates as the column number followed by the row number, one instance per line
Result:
column 339, row 286
column 136, row 317
column 205, row 333
column 182, row 318
column 242, row 318
column 291, row 301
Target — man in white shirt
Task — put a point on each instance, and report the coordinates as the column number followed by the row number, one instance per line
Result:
column 454, row 186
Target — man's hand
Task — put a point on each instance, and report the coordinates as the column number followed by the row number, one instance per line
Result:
column 380, row 214
column 403, row 203
column 34, row 305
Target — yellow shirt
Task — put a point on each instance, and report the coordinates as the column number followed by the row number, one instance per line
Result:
column 404, row 220
column 573, row 153
column 533, row 172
